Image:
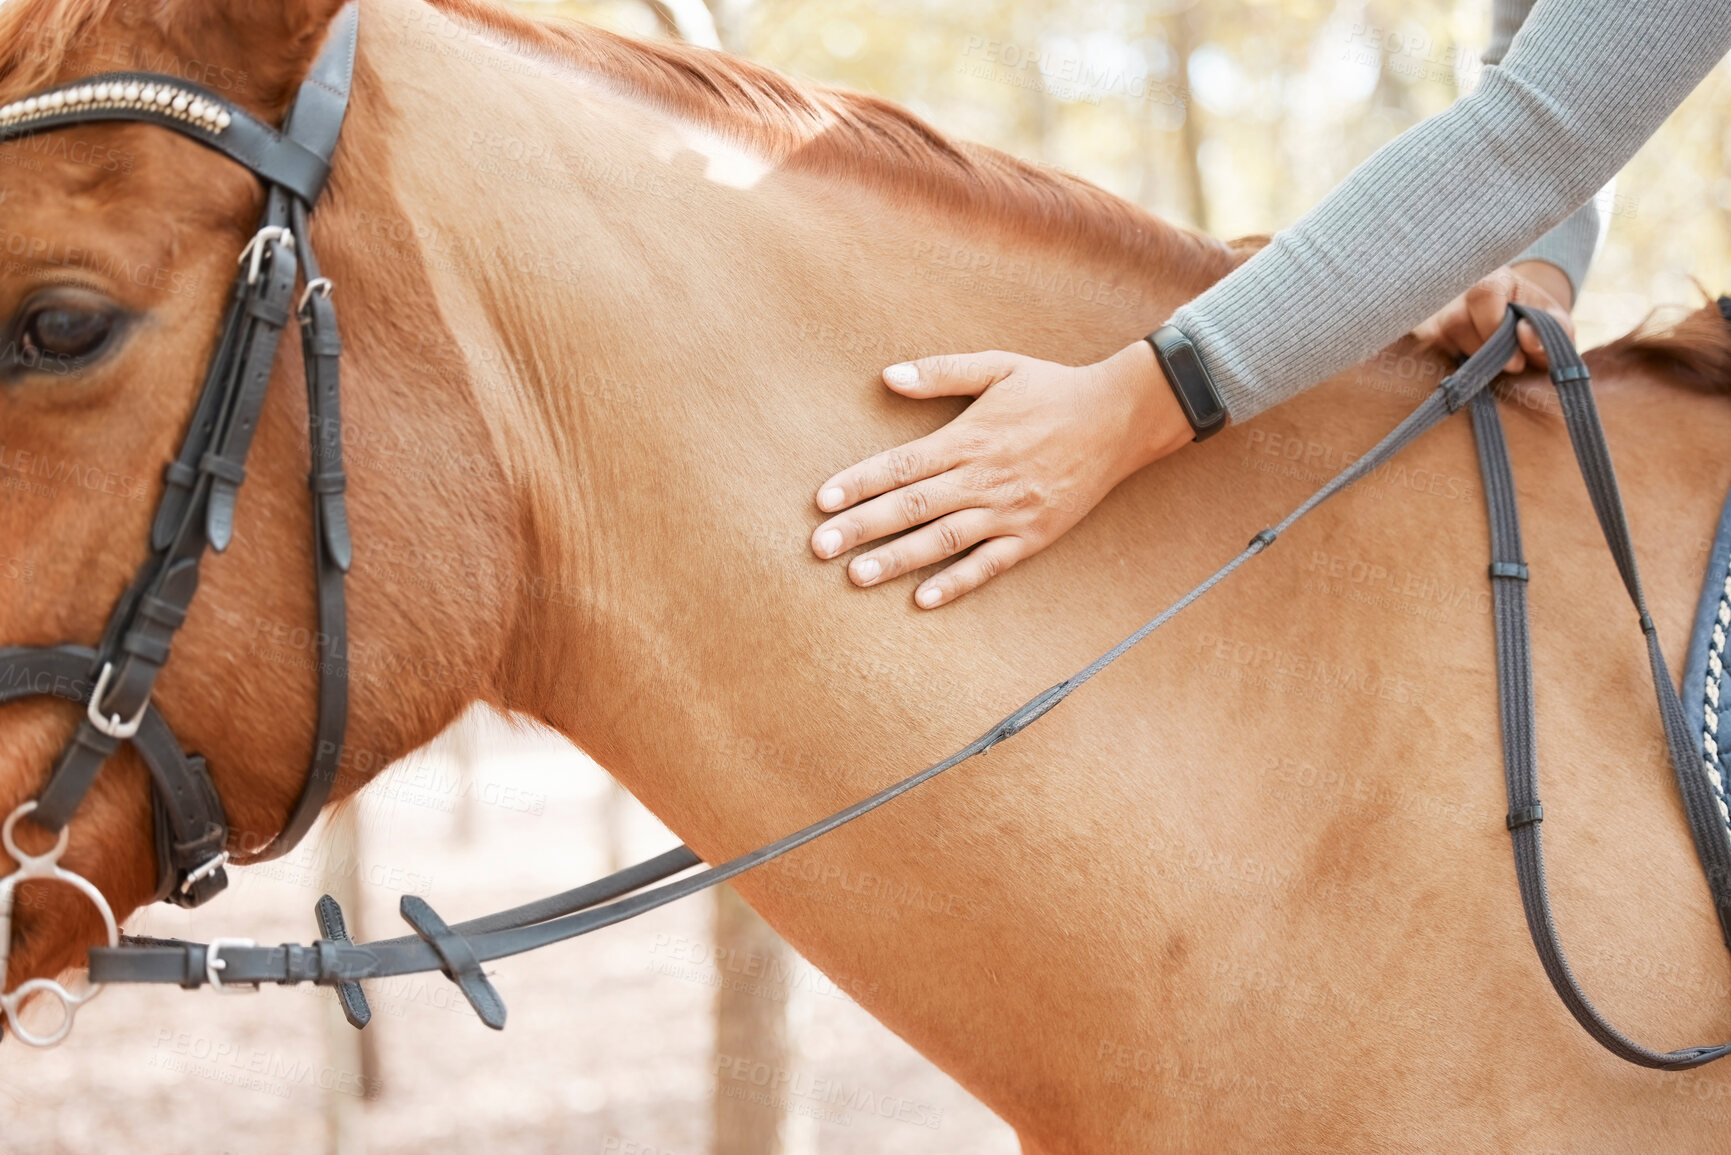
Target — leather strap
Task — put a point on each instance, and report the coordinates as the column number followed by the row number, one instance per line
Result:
column 1515, row 687
column 191, row 825
column 277, row 159
column 316, row 120
column 198, row 505
column 621, row 896
column 206, row 476
column 335, row 930
column 459, row 950
column 458, row 958
column 321, row 349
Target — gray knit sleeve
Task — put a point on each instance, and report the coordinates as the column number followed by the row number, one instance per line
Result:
column 1507, row 16
column 1585, row 83
column 1569, row 246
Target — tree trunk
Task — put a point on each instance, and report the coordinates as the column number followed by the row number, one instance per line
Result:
column 755, row 1028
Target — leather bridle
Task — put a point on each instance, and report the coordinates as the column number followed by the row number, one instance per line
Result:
column 114, row 681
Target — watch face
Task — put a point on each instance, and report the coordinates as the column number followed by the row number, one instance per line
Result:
column 1190, row 381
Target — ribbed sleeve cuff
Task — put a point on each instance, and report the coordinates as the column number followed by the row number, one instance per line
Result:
column 1569, row 246
column 1243, row 395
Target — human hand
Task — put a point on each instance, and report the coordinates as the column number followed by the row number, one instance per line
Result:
column 1038, row 449
column 1463, row 325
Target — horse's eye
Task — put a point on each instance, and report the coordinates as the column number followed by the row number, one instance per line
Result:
column 62, row 331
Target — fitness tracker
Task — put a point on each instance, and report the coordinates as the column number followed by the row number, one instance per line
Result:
column 1183, row 367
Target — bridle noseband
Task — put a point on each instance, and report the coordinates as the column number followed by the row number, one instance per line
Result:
column 115, row 681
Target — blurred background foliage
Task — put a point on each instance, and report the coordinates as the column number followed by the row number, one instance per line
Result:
column 1232, row 115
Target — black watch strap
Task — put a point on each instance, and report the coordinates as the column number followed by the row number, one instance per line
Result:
column 1189, row 378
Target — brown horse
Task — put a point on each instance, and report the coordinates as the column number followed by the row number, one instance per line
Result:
column 613, row 310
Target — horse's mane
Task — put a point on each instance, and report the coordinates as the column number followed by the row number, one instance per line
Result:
column 1694, row 353
column 800, row 126
column 831, row 131
column 36, row 37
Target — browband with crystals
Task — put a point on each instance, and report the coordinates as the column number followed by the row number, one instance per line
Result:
column 194, row 112
column 111, row 94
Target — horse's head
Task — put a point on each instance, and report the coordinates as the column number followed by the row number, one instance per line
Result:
column 118, row 246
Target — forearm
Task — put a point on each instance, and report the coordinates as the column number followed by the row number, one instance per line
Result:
column 1583, row 86
column 1570, row 246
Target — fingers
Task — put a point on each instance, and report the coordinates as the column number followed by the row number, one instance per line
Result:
column 952, row 375
column 1453, row 329
column 1464, row 325
column 943, row 538
column 1531, row 346
column 906, row 507
column 1536, row 296
column 1430, row 330
column 891, row 469
column 988, row 560
column 1487, row 303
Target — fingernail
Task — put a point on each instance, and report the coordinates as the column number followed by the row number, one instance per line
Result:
column 867, row 570
column 903, row 374
column 831, row 498
column 930, row 596
column 829, row 542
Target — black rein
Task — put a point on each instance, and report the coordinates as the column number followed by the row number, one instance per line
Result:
column 115, row 680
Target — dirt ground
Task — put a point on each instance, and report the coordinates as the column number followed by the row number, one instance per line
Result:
column 609, row 1043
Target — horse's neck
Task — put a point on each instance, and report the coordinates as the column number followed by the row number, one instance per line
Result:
column 677, row 339
column 672, row 347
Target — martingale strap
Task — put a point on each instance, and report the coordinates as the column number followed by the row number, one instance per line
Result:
column 458, row 950
column 197, row 509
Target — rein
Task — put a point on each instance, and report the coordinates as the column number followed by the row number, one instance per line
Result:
column 114, row 681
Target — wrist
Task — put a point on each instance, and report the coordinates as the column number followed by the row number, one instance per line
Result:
column 1157, row 421
column 1549, row 278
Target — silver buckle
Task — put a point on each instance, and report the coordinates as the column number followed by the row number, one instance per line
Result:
column 215, row 964
column 323, row 286
column 43, row 866
column 112, row 726
column 255, row 249
column 216, row 863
